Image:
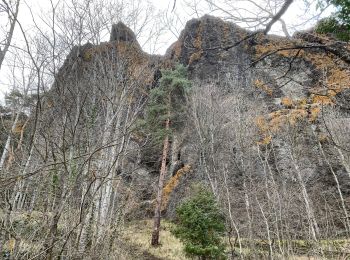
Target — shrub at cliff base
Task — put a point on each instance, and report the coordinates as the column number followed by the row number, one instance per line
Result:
column 200, row 226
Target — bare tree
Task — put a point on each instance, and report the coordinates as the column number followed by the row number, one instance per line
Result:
column 10, row 9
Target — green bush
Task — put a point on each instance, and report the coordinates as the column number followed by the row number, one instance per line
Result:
column 200, row 226
column 331, row 25
column 338, row 23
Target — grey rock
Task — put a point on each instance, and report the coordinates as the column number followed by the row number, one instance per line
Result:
column 120, row 32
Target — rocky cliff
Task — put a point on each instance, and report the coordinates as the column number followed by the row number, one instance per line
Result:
column 266, row 129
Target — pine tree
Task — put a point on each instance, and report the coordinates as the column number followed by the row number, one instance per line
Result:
column 338, row 23
column 164, row 114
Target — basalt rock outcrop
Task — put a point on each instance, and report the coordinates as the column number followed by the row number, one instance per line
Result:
column 121, row 33
column 274, row 82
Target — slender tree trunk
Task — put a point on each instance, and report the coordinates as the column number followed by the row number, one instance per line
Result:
column 269, row 200
column 347, row 225
column 8, row 142
column 13, row 21
column 33, row 199
column 85, row 236
column 309, row 210
column 249, row 217
column 233, row 223
column 20, row 192
column 163, row 170
column 343, row 161
column 276, row 208
column 174, row 150
column 267, row 228
column 5, row 223
column 52, row 236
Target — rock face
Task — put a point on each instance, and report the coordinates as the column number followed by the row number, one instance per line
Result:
column 120, row 32
column 255, row 127
column 283, row 87
column 202, row 46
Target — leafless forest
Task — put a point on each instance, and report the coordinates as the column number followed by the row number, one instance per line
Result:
column 264, row 126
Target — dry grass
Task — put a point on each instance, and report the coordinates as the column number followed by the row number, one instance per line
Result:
column 134, row 243
column 138, row 234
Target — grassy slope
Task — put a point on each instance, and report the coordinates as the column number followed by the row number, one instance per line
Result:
column 138, row 236
column 134, row 241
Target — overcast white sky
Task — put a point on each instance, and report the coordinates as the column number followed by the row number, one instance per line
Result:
column 293, row 16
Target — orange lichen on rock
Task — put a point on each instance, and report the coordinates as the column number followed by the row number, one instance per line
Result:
column 302, row 102
column 264, row 87
column 134, row 58
column 287, row 102
column 296, row 114
column 317, row 102
column 277, row 119
column 322, row 137
column 177, row 49
column 198, row 40
column 322, row 100
column 262, row 124
column 285, row 116
column 195, row 56
column 314, row 112
column 338, row 80
column 293, row 111
column 172, row 184
column 276, row 45
column 265, row 140
column 263, row 127
column 226, row 31
column 274, row 122
column 96, row 51
column 197, row 43
column 335, row 77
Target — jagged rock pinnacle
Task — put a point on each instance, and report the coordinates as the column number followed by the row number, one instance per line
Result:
column 120, row 32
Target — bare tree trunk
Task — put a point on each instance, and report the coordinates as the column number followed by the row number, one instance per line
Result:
column 13, row 20
column 268, row 196
column 233, row 223
column 20, row 196
column 163, row 170
column 4, row 225
column 85, row 236
column 309, row 211
column 8, row 142
column 277, row 208
column 174, row 154
column 267, row 228
column 343, row 161
column 249, row 217
column 103, row 185
column 203, row 160
column 52, row 236
column 33, row 199
column 338, row 186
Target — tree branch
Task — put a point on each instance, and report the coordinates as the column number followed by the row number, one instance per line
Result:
column 277, row 16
